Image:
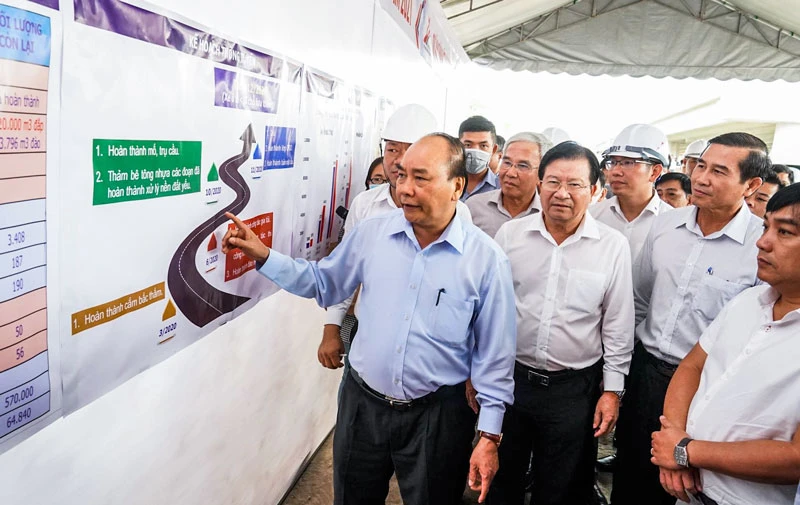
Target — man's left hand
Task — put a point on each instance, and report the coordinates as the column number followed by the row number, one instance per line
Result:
column 483, row 466
column 664, row 443
column 605, row 414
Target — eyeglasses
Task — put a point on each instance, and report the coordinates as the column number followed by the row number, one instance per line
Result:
column 625, row 163
column 377, row 180
column 522, row 166
column 571, row 187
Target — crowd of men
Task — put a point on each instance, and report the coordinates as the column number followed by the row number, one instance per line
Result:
column 548, row 296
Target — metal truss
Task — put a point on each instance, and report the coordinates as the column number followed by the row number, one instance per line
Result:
column 720, row 13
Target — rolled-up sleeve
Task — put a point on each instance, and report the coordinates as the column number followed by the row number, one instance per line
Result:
column 495, row 330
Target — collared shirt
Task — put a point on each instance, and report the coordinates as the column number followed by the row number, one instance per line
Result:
column 489, row 183
column 609, row 212
column 572, row 307
column 683, row 279
column 429, row 317
column 749, row 389
column 373, row 202
column 489, row 214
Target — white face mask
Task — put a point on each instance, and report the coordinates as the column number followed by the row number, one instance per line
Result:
column 477, row 160
column 373, row 186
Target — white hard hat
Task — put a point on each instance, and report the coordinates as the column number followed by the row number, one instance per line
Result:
column 641, row 141
column 695, row 149
column 556, row 135
column 409, row 123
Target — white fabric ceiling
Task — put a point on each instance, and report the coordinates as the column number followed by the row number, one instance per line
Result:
column 724, row 39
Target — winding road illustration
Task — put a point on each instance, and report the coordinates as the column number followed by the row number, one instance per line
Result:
column 198, row 300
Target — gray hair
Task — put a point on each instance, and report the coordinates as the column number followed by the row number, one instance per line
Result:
column 539, row 139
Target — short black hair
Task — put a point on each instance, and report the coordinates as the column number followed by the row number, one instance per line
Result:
column 477, row 124
column 789, row 195
column 570, row 150
column 457, row 164
column 501, row 143
column 372, row 166
column 771, row 177
column 783, row 169
column 683, row 179
column 757, row 161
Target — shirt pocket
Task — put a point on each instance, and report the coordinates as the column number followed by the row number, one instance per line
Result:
column 451, row 320
column 712, row 295
column 585, row 290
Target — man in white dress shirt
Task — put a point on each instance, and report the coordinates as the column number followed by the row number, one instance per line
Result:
column 732, row 412
column 694, row 261
column 405, row 126
column 572, row 284
column 632, row 164
column 519, row 176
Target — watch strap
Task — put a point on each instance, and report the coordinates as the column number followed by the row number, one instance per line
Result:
column 491, row 437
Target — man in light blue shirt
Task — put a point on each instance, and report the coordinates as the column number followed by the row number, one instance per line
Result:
column 437, row 308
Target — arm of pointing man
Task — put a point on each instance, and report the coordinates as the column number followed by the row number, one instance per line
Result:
column 492, row 373
column 329, row 281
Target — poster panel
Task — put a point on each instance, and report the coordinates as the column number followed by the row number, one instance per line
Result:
column 167, row 127
column 30, row 385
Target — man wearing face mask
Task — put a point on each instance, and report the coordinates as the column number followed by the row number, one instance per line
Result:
column 480, row 142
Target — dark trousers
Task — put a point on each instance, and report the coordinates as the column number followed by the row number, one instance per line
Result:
column 553, row 420
column 427, row 446
column 636, row 479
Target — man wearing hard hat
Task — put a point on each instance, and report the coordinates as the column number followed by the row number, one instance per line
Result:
column 632, row 164
column 691, row 155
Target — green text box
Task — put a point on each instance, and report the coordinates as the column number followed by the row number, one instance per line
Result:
column 127, row 170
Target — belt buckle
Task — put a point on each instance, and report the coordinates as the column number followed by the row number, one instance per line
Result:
column 541, row 379
column 398, row 404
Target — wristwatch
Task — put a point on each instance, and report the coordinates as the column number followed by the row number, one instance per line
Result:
column 491, row 437
column 681, row 454
column 619, row 394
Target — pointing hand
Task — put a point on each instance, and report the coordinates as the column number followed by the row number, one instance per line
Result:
column 245, row 239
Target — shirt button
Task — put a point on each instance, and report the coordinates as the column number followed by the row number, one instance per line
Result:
column 399, row 349
column 691, row 423
column 397, row 381
column 413, row 286
column 405, row 316
column 768, row 328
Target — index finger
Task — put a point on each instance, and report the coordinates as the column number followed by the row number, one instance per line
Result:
column 484, row 488
column 238, row 222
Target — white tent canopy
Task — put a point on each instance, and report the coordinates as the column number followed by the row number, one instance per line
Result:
column 723, row 39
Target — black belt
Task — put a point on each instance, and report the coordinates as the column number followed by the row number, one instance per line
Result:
column 394, row 403
column 546, row 378
column 660, row 365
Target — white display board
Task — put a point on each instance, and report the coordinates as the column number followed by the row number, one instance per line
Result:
column 30, row 384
